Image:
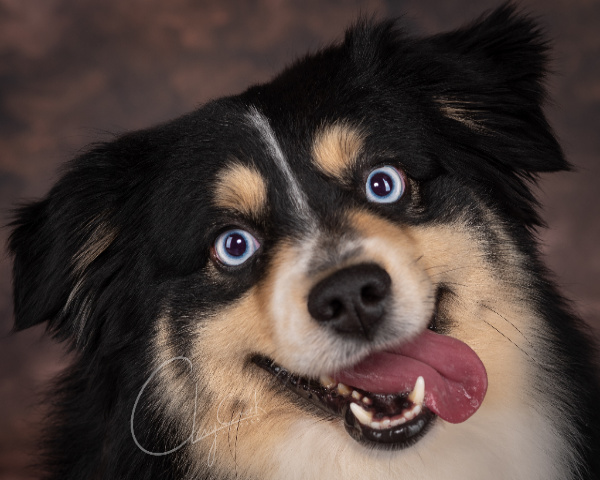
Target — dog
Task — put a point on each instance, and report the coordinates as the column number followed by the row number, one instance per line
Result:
column 331, row 275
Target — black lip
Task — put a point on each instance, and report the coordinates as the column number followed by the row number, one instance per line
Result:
column 332, row 403
column 395, row 438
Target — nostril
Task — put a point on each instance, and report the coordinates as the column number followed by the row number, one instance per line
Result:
column 351, row 300
column 372, row 293
column 328, row 309
column 336, row 308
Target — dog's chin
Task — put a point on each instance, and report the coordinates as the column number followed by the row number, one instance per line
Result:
column 385, row 421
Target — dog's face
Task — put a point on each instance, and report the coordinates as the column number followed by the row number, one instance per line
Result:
column 326, row 275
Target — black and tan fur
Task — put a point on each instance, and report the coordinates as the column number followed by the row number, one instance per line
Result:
column 118, row 258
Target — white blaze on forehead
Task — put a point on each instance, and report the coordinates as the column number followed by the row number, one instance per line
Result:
column 297, row 195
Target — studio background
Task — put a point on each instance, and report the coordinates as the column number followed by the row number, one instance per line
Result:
column 76, row 71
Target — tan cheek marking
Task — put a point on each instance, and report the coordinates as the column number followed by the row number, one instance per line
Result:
column 336, row 150
column 242, row 407
column 241, row 188
column 237, row 331
column 489, row 311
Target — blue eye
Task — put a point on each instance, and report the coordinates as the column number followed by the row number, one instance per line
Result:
column 234, row 247
column 385, row 185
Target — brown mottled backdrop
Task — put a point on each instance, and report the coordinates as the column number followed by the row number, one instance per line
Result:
column 73, row 70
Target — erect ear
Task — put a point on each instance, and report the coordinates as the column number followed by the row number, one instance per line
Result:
column 65, row 258
column 495, row 87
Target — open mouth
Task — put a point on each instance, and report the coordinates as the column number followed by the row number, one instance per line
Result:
column 385, row 420
column 391, row 398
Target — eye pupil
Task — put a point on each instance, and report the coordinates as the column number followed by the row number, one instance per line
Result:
column 381, row 184
column 235, row 245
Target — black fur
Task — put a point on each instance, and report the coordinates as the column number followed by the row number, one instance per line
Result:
column 151, row 190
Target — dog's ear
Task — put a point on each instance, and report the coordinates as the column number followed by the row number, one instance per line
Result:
column 505, row 44
column 53, row 243
column 63, row 247
column 491, row 97
column 497, row 85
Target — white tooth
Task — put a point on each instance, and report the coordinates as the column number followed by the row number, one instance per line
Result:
column 416, row 409
column 356, row 395
column 397, row 421
column 343, row 389
column 418, row 394
column 386, row 423
column 409, row 415
column 327, row 381
column 376, row 425
column 363, row 416
column 367, row 401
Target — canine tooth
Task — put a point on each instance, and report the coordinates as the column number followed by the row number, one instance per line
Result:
column 408, row 415
column 356, row 395
column 363, row 416
column 327, row 381
column 418, row 393
column 343, row 389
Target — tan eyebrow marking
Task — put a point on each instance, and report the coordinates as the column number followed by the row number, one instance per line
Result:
column 242, row 188
column 336, row 150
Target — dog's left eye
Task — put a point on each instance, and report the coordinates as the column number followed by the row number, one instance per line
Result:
column 234, row 247
column 385, row 185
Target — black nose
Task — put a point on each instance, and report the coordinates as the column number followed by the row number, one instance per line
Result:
column 352, row 300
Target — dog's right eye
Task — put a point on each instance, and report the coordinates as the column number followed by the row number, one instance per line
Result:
column 234, row 247
column 385, row 185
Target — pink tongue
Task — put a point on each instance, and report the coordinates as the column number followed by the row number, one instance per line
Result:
column 455, row 378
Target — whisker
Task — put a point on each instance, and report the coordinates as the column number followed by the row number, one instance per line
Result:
column 456, row 283
column 452, row 270
column 509, row 322
column 434, row 266
column 229, row 432
column 326, row 418
column 507, row 338
column 235, row 448
column 418, row 259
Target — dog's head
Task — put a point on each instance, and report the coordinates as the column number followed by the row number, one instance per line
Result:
column 330, row 268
